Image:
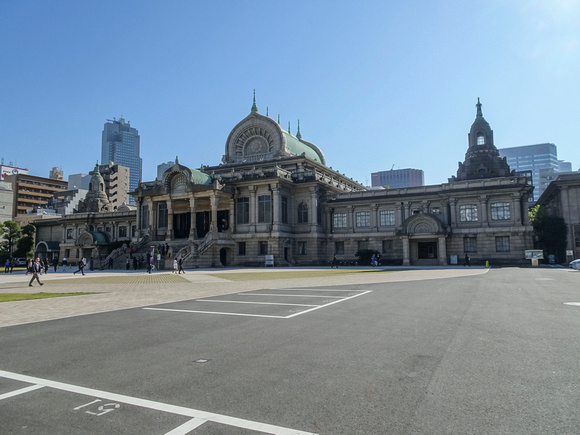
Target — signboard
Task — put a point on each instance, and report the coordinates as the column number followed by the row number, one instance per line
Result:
column 534, row 254
column 11, row 170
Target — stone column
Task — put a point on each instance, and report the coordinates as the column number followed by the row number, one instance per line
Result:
column 276, row 207
column 213, row 200
column 253, row 209
column 137, row 220
column 169, row 232
column 406, row 260
column 517, row 207
column 453, row 209
column 442, row 248
column 192, row 229
column 314, row 207
column 484, row 212
column 232, row 221
column 399, row 216
column 349, row 218
column 374, row 223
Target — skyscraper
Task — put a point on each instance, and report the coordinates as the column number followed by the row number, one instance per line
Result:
column 541, row 159
column 396, row 178
column 121, row 145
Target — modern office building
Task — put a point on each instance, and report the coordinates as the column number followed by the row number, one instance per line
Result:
column 536, row 158
column 397, row 178
column 32, row 193
column 162, row 168
column 121, row 145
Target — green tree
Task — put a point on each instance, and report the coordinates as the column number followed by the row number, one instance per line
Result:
column 551, row 233
column 10, row 233
column 25, row 244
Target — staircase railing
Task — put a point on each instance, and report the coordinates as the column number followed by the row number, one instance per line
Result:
column 116, row 253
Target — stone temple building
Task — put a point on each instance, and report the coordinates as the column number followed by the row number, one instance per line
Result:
column 274, row 195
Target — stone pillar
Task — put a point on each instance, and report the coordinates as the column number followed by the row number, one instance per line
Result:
column 517, row 207
column 374, row 223
column 442, row 251
column 406, row 260
column 137, row 220
column 349, row 218
column 453, row 210
column 253, row 209
column 169, row 233
column 232, row 216
column 213, row 200
column 484, row 212
column 192, row 229
column 276, row 207
column 314, row 208
column 399, row 216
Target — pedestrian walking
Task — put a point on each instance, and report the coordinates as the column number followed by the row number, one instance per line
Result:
column 64, row 264
column 180, row 264
column 110, row 262
column 467, row 261
column 7, row 266
column 12, row 264
column 374, row 260
column 82, row 265
column 46, row 266
column 175, row 265
column 28, row 267
column 55, row 263
column 36, row 268
column 127, row 264
column 334, row 262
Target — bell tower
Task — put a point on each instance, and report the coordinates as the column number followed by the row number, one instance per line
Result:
column 482, row 158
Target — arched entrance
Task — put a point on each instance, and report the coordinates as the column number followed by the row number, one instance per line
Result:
column 225, row 256
column 424, row 241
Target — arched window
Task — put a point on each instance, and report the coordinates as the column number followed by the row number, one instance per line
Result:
column 302, row 213
column 480, row 139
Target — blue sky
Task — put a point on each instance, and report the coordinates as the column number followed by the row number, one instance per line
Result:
column 375, row 84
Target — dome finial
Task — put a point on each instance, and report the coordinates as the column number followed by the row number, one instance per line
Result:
column 289, row 132
column 254, row 107
column 278, row 119
column 176, row 160
column 478, row 105
column 298, row 135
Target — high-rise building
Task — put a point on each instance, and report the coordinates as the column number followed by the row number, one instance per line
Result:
column 396, row 178
column 121, row 145
column 541, row 159
column 32, row 193
column 162, row 168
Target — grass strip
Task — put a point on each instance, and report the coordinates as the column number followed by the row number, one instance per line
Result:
column 11, row 297
column 289, row 274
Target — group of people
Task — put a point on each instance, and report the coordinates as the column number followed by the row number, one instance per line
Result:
column 178, row 266
column 9, row 265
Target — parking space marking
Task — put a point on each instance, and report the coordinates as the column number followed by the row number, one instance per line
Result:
column 313, row 307
column 185, row 428
column 256, row 303
column 21, row 391
column 195, row 414
column 213, row 312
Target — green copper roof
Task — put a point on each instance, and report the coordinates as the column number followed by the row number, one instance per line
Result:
column 298, row 147
column 200, row 177
column 98, row 237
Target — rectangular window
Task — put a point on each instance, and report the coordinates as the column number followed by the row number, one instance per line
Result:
column 122, row 231
column 243, row 210
column 469, row 244
column 162, row 215
column 502, row 244
column 387, row 218
column 339, row 220
column 242, row 248
column 435, row 210
column 468, row 213
column 362, row 245
column 69, row 233
column 284, row 210
column 263, row 248
column 387, row 246
column 67, row 253
column 264, row 209
column 339, row 248
column 363, row 218
column 301, row 248
column 500, row 211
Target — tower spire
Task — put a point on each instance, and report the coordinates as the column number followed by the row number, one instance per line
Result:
column 289, row 128
column 254, row 107
column 298, row 135
column 478, row 105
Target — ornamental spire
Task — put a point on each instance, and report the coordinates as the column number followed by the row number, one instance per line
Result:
column 298, row 135
column 254, row 107
column 289, row 132
column 478, row 105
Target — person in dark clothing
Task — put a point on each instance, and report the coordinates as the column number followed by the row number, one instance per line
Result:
column 82, row 265
column 46, row 266
column 35, row 269
column 180, row 264
column 110, row 262
column 467, row 261
column 55, row 263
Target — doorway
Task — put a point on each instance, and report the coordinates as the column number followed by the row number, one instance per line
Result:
column 427, row 250
column 181, row 225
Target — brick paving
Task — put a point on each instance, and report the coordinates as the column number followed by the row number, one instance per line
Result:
column 118, row 290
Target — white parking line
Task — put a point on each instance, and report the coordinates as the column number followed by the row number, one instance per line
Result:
column 158, row 406
column 185, row 428
column 255, row 303
column 326, row 305
column 291, row 296
column 214, row 312
column 21, row 391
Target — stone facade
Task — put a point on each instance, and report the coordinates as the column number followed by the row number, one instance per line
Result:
column 274, row 195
